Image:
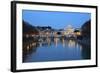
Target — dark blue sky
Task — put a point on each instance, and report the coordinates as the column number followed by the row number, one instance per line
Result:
column 57, row 20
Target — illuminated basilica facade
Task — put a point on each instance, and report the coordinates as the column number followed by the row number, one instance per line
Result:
column 69, row 31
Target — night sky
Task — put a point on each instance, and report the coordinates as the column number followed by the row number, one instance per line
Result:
column 57, row 20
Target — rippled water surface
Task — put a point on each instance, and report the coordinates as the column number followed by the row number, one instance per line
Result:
column 55, row 49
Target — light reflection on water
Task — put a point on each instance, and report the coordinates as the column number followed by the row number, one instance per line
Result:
column 55, row 49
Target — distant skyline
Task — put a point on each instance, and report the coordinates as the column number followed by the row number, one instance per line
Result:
column 56, row 20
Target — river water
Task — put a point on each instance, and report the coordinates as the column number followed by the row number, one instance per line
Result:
column 55, row 49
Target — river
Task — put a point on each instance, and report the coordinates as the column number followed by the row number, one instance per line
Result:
column 55, row 49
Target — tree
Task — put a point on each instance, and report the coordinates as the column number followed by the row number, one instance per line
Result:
column 86, row 29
